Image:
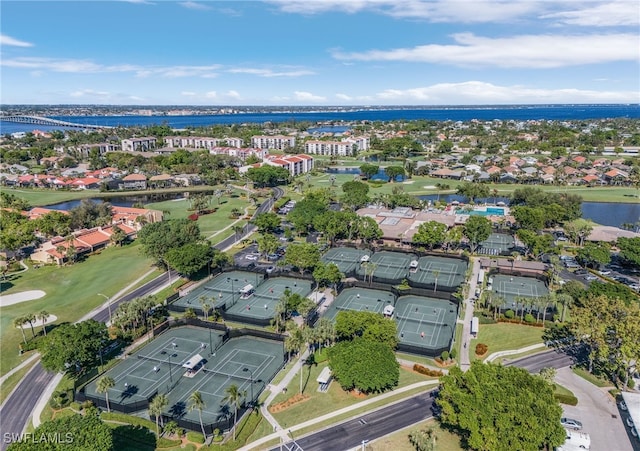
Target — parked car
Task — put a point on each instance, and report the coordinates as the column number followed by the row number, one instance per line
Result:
column 590, row 277
column 270, row 269
column 570, row 423
column 581, row 272
column 604, row 272
column 630, row 422
column 623, row 405
column 273, row 257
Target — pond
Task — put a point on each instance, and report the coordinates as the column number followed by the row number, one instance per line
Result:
column 118, row 201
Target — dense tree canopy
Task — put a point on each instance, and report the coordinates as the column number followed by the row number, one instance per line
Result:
column 558, row 207
column 353, row 324
column 158, row 238
column 500, row 408
column 74, row 347
column 90, row 214
column 369, row 170
column 192, row 257
column 327, row 274
column 303, row 256
column 364, row 364
column 269, row 176
column 630, row 249
column 476, row 230
column 356, row 194
column 473, row 190
column 266, row 222
column 303, row 215
column 430, row 234
column 69, row 433
column 595, row 254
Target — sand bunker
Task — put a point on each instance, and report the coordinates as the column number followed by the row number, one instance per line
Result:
column 23, row 296
column 429, row 187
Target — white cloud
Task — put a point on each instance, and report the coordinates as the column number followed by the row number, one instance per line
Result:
column 344, row 97
column 600, row 14
column 196, row 6
column 188, row 93
column 89, row 67
column 479, row 93
column 89, row 93
column 303, row 96
column 211, row 95
column 270, row 73
column 9, row 41
column 532, row 51
column 139, row 2
column 231, row 94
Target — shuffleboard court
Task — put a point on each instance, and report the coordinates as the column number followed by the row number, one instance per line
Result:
column 387, row 266
column 347, row 259
column 223, row 289
column 261, row 304
column 439, row 272
column 513, row 289
column 360, row 299
column 424, row 322
column 181, row 361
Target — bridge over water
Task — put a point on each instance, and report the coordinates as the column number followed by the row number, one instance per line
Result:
column 38, row 120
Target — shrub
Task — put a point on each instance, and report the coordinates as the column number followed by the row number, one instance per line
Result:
column 59, row 400
column 631, row 384
column 86, row 405
column 453, row 353
column 427, row 371
column 195, row 437
column 569, row 400
column 509, row 314
column 162, row 442
column 129, row 419
column 481, row 349
column 445, row 355
column 528, row 318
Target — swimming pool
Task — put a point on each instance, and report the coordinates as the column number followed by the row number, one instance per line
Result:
column 489, row 211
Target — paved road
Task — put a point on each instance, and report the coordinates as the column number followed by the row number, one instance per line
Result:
column 350, row 434
column 16, row 411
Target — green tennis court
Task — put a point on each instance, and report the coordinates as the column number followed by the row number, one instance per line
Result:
column 425, row 322
column 439, row 271
column 496, row 244
column 346, row 259
column 385, row 265
column 262, row 302
column 181, row 361
column 360, row 299
column 223, row 289
column 512, row 288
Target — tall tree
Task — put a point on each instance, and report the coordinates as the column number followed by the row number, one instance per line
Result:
column 156, row 407
column 18, row 322
column 235, row 397
column 476, row 229
column 197, row 403
column 500, row 408
column 430, row 234
column 303, row 256
column 44, row 316
column 103, row 385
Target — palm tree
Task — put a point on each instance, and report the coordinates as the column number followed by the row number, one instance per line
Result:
column 19, row 322
column 234, row 397
column 103, row 385
column 31, row 318
column 156, row 407
column 566, row 301
column 237, row 230
column 205, row 307
column 196, row 402
column 44, row 316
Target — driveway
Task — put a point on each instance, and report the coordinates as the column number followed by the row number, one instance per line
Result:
column 598, row 412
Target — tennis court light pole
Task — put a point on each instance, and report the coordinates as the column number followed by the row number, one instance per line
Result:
column 245, row 369
column 108, row 304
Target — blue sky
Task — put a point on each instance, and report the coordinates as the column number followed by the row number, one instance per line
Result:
column 319, row 52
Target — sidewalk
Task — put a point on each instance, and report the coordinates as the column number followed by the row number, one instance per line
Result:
column 284, row 434
column 465, row 361
column 499, row 354
column 51, row 387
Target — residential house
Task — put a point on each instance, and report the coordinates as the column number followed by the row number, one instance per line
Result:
column 134, row 181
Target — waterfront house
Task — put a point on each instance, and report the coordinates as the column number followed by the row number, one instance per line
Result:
column 134, row 181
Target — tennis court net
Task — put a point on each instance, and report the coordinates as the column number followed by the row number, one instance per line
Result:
column 354, row 259
column 419, row 320
column 266, row 297
column 220, row 290
column 160, row 361
column 230, row 376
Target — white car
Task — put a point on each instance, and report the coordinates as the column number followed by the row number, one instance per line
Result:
column 623, row 405
column 629, row 422
column 570, row 423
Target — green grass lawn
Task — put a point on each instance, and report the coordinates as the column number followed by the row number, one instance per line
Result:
column 422, row 185
column 321, row 403
column 595, row 380
column 505, row 336
column 71, row 292
column 399, row 441
column 212, row 223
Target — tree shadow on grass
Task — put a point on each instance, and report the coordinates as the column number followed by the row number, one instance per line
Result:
column 133, row 438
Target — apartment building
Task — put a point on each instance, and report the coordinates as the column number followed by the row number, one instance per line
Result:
column 278, row 142
column 200, row 142
column 243, row 154
column 139, row 144
column 295, row 164
column 346, row 147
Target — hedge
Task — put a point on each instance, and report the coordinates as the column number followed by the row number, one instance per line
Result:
column 518, row 321
column 427, row 371
column 569, row 400
column 280, row 203
column 195, row 437
column 129, row 419
column 167, row 443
